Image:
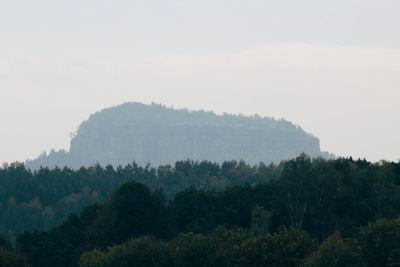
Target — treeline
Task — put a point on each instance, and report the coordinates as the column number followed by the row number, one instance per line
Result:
column 316, row 213
column 376, row 244
column 38, row 200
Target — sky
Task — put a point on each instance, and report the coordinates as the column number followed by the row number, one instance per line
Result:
column 332, row 67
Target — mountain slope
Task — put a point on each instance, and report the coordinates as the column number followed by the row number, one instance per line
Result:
column 159, row 135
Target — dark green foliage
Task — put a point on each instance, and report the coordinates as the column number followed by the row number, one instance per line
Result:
column 131, row 211
column 12, row 259
column 285, row 248
column 221, row 248
column 282, row 212
column 5, row 242
column 197, row 211
column 160, row 135
column 62, row 245
column 260, row 221
column 192, row 250
column 44, row 198
column 335, row 252
column 140, row 252
column 380, row 243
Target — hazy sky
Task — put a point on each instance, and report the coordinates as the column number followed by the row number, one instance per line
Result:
column 333, row 67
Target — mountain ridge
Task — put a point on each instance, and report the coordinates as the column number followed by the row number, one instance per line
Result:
column 157, row 134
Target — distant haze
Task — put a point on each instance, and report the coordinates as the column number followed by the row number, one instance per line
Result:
column 156, row 135
column 332, row 67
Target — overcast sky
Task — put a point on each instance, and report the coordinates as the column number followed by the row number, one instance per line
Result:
column 332, row 67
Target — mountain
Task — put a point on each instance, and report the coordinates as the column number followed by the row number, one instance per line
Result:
column 157, row 135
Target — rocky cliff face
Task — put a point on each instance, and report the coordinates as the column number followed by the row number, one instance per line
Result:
column 158, row 135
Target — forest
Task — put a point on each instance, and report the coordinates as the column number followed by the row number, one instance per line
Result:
column 301, row 212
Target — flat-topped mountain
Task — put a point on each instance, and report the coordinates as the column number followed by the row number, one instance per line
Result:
column 157, row 135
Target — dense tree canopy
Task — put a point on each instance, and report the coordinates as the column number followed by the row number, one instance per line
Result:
column 230, row 214
column 38, row 200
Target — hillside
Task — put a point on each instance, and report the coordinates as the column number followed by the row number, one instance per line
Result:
column 157, row 135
